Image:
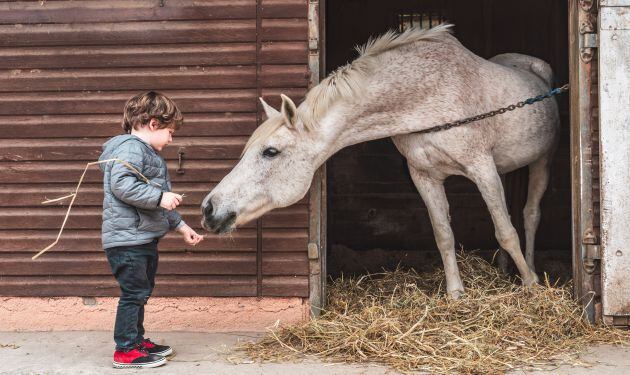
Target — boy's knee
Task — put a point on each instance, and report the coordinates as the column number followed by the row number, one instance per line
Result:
column 136, row 298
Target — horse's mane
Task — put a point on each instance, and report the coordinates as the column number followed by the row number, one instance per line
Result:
column 350, row 80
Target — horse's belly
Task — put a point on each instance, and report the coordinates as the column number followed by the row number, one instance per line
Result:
column 455, row 158
column 516, row 152
column 508, row 162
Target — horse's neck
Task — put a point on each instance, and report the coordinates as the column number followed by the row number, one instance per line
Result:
column 393, row 108
column 347, row 125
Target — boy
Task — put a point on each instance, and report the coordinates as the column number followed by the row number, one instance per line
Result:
column 136, row 214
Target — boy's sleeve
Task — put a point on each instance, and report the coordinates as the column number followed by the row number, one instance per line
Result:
column 174, row 218
column 127, row 186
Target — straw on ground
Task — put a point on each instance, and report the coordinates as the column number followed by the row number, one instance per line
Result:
column 405, row 320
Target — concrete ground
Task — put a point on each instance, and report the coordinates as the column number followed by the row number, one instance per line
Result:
column 90, row 352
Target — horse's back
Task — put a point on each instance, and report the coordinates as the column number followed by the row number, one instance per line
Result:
column 527, row 63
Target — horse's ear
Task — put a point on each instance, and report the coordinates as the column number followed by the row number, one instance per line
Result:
column 269, row 110
column 288, row 110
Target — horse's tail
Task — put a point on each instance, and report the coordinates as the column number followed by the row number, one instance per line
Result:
column 525, row 62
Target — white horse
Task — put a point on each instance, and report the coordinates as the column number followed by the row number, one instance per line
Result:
column 401, row 84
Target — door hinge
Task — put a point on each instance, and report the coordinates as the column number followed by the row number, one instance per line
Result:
column 587, row 5
column 592, row 251
column 313, row 25
column 313, row 251
column 588, row 44
column 588, row 40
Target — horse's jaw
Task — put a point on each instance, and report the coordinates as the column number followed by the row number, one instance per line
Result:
column 245, row 218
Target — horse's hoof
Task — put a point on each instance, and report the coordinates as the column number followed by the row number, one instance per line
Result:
column 456, row 294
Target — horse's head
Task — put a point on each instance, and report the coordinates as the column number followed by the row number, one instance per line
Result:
column 275, row 170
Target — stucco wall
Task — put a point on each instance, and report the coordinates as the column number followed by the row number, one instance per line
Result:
column 198, row 314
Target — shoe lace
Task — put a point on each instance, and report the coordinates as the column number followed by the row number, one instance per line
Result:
column 141, row 348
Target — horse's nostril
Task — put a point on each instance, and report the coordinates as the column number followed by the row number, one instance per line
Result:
column 207, row 210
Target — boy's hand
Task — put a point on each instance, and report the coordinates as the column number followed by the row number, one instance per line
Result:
column 190, row 236
column 170, row 200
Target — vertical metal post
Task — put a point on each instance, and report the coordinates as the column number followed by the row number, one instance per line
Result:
column 583, row 129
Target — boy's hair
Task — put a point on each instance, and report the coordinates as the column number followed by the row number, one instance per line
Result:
column 140, row 109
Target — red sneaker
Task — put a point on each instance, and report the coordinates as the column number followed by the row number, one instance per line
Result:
column 137, row 358
column 153, row 348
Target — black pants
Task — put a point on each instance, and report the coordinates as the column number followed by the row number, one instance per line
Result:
column 134, row 268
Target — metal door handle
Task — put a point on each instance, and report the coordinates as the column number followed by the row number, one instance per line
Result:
column 180, row 160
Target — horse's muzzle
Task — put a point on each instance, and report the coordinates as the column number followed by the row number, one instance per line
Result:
column 207, row 210
column 218, row 224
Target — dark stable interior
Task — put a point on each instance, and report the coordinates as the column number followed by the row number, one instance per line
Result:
column 376, row 218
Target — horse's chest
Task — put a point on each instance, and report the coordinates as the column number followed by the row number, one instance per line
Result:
column 427, row 157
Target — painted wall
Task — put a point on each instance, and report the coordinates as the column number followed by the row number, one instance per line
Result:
column 198, row 314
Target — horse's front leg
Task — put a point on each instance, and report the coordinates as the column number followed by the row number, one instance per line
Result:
column 484, row 174
column 434, row 196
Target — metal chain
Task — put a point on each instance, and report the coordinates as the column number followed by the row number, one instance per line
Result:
column 499, row 111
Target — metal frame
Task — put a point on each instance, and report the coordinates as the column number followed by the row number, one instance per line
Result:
column 317, row 192
column 585, row 166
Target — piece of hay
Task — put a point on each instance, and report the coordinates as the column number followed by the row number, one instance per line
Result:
column 405, row 320
column 73, row 195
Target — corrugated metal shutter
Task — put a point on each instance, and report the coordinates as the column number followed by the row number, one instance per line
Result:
column 66, row 69
column 284, row 261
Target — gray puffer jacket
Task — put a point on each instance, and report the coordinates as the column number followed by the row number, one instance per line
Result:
column 131, row 208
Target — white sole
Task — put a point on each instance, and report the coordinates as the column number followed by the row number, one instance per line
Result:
column 157, row 363
column 165, row 353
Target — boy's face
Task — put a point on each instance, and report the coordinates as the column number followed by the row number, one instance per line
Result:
column 160, row 137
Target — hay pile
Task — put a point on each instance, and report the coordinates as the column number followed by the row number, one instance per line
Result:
column 404, row 320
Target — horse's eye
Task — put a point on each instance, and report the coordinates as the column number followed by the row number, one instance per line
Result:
column 270, row 152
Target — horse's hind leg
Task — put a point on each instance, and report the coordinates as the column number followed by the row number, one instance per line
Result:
column 538, row 181
column 484, row 174
column 434, row 196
